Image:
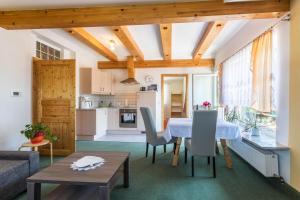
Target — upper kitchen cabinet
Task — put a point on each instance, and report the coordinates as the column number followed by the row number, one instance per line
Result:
column 95, row 81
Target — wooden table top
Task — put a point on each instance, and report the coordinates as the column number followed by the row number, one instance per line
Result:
column 60, row 172
column 29, row 144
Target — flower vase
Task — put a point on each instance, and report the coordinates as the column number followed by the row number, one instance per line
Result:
column 255, row 132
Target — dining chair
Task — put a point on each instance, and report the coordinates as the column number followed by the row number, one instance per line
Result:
column 152, row 136
column 203, row 140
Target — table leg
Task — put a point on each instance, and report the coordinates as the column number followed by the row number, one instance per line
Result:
column 176, row 155
column 126, row 173
column 217, row 148
column 33, row 191
column 226, row 154
column 104, row 193
column 51, row 152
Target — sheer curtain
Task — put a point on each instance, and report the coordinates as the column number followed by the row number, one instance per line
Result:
column 237, row 79
column 261, row 68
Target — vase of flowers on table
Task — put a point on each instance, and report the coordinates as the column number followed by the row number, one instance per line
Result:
column 36, row 133
column 206, row 105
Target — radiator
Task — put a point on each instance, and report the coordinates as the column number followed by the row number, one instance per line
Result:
column 266, row 162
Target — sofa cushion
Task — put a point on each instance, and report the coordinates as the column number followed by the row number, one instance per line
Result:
column 13, row 174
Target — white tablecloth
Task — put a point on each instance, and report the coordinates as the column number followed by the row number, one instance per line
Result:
column 182, row 127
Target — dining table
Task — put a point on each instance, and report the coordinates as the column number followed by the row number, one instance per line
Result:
column 182, row 128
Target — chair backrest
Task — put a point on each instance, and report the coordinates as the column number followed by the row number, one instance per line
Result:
column 204, row 132
column 151, row 133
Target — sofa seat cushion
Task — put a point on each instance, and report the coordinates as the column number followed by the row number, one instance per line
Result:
column 13, row 174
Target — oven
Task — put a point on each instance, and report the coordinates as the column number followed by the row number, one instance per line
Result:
column 128, row 118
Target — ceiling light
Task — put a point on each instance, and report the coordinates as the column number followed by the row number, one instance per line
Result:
column 112, row 45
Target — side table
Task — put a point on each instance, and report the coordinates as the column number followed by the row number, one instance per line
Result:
column 37, row 145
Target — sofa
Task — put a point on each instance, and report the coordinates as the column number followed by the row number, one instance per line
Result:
column 15, row 167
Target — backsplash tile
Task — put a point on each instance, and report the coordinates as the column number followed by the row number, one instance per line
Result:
column 117, row 100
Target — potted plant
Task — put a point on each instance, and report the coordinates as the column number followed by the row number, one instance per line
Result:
column 233, row 115
column 37, row 132
column 251, row 122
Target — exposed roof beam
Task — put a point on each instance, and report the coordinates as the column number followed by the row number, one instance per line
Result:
column 92, row 42
column 157, row 64
column 124, row 35
column 213, row 29
column 117, row 15
column 166, row 40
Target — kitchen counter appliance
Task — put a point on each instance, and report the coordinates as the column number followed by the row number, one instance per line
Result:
column 128, row 118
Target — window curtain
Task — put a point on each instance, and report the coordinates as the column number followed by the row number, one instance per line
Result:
column 237, row 79
column 261, row 66
column 220, row 76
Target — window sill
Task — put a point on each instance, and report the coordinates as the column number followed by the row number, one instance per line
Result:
column 265, row 141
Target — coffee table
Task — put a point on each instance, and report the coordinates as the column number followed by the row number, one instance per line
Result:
column 91, row 184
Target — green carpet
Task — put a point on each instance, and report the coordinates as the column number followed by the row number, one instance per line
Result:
column 161, row 181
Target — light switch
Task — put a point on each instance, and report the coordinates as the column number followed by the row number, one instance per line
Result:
column 15, row 93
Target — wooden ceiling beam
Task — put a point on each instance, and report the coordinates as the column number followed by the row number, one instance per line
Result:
column 213, row 29
column 160, row 13
column 92, row 42
column 124, row 35
column 157, row 64
column 166, row 40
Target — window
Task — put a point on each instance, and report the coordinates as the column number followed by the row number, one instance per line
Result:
column 204, row 88
column 46, row 52
column 237, row 79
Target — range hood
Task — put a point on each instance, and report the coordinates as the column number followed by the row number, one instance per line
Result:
column 131, row 72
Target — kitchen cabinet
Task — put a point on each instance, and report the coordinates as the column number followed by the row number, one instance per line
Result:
column 113, row 119
column 91, row 123
column 95, row 81
column 85, row 124
column 101, row 121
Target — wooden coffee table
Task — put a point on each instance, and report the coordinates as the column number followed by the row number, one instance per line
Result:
column 92, row 184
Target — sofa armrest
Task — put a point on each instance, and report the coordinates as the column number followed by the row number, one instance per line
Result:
column 33, row 158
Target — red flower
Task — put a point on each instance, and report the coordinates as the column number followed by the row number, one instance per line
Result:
column 206, row 104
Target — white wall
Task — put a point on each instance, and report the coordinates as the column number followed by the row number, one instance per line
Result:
column 16, row 52
column 281, row 61
column 15, row 74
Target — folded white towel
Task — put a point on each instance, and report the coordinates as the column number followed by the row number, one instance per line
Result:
column 87, row 162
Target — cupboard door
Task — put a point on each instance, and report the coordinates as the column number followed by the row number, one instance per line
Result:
column 96, row 81
column 108, row 83
column 113, row 119
column 101, row 121
column 101, row 82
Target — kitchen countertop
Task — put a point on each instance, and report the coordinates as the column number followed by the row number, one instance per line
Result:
column 107, row 108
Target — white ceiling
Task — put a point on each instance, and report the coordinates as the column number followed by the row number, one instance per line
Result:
column 104, row 35
column 147, row 38
column 185, row 37
column 228, row 32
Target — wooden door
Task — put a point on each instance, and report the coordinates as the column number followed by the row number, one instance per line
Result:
column 54, row 102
